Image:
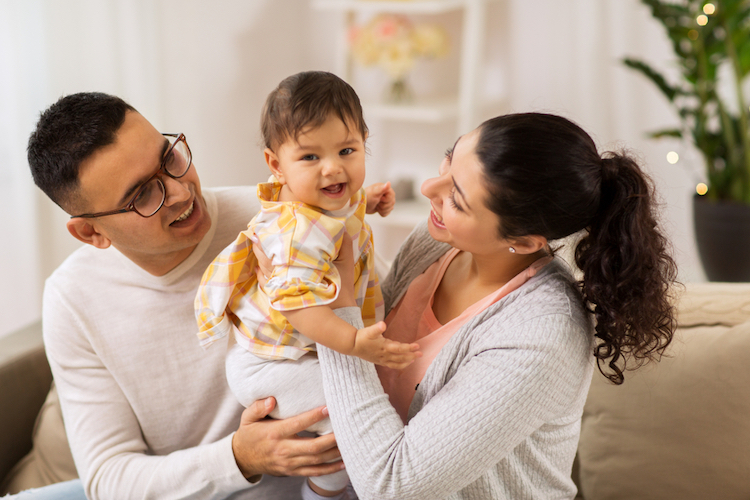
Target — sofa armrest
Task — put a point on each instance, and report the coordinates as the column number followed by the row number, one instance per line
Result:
column 25, row 380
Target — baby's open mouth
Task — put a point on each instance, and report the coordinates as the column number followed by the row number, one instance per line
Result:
column 334, row 188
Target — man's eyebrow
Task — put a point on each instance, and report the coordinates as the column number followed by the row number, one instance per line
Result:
column 463, row 197
column 136, row 185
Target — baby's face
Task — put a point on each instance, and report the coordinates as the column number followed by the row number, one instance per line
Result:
column 324, row 167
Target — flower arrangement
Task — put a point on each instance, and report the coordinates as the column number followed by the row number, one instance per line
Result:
column 394, row 43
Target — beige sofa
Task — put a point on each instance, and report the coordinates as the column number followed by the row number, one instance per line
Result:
column 676, row 429
column 33, row 448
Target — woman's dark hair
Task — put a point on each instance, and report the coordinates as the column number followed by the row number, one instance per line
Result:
column 67, row 133
column 305, row 100
column 545, row 177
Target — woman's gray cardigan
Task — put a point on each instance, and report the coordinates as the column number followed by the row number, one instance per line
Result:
column 498, row 412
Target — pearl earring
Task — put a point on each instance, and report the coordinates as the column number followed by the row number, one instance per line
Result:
column 512, row 250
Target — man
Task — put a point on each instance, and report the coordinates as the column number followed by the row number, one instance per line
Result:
column 148, row 413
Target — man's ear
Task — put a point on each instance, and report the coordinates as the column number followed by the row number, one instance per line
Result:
column 83, row 230
column 272, row 160
column 529, row 244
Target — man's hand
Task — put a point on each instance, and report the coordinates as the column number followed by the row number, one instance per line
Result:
column 370, row 345
column 265, row 446
column 380, row 198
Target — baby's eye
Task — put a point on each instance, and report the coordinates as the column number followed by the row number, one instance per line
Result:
column 309, row 157
column 346, row 151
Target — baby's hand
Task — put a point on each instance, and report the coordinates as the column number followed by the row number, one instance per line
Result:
column 380, row 198
column 370, row 345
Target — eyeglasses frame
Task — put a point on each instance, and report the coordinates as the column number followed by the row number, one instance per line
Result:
column 130, row 207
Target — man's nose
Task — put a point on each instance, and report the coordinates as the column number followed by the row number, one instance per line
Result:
column 177, row 190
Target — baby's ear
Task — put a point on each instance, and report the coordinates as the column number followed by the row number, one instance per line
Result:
column 272, row 160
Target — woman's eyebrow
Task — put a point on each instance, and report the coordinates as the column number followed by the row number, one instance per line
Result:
column 463, row 197
column 455, row 143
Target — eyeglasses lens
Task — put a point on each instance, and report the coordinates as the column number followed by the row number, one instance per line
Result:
column 177, row 161
column 150, row 198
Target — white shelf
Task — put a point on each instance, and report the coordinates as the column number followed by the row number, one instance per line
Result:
column 461, row 107
column 424, row 111
column 391, row 6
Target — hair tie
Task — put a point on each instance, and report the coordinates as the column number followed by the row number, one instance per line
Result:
column 610, row 170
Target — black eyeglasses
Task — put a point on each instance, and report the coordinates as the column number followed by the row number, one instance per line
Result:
column 151, row 195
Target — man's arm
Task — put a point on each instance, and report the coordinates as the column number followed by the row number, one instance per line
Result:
column 106, row 433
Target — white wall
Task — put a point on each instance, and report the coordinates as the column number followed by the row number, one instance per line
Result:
column 204, row 68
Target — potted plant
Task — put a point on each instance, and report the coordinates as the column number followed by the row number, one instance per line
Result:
column 711, row 42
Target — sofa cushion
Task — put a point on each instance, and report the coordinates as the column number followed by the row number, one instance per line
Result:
column 50, row 460
column 675, row 429
column 25, row 380
column 712, row 303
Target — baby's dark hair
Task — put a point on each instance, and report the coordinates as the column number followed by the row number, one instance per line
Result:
column 545, row 177
column 306, row 100
column 67, row 133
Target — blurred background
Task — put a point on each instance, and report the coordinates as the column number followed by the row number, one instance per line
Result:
column 205, row 69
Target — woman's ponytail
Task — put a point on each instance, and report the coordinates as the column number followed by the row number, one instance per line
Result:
column 545, row 177
column 627, row 270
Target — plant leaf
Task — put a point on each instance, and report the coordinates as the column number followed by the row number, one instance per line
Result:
column 669, row 132
column 668, row 90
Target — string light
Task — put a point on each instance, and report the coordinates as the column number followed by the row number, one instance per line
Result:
column 701, row 188
column 673, row 157
column 702, row 20
column 709, row 9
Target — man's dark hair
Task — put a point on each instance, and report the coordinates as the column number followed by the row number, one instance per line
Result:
column 306, row 100
column 68, row 133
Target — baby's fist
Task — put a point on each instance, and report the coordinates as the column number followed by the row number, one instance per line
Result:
column 381, row 198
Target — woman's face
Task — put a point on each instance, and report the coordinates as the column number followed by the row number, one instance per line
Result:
column 458, row 197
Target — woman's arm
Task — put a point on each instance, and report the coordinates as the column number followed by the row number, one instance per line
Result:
column 495, row 400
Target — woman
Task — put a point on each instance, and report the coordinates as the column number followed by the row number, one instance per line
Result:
column 507, row 334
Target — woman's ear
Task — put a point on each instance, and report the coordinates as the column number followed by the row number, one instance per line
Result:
column 83, row 230
column 529, row 244
column 272, row 160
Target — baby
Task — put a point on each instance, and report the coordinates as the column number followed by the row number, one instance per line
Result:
column 314, row 136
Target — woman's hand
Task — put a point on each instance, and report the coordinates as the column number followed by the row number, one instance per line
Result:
column 345, row 266
column 265, row 267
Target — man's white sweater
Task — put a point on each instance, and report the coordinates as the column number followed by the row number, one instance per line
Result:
column 147, row 411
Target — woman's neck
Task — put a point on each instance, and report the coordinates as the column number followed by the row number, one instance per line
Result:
column 469, row 278
column 496, row 270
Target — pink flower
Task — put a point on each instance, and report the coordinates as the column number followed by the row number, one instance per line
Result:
column 387, row 28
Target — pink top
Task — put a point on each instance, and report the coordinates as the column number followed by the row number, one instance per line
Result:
column 413, row 319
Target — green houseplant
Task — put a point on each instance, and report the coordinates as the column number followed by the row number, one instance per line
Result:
column 711, row 42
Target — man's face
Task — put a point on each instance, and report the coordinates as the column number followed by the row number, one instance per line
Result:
column 110, row 177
